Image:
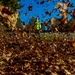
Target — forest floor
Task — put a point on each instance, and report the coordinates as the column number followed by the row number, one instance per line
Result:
column 27, row 54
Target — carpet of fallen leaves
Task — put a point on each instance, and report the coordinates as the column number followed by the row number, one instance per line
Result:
column 25, row 54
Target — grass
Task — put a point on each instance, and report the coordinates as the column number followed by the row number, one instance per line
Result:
column 50, row 37
column 47, row 37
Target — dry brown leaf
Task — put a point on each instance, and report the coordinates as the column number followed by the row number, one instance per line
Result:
column 15, row 68
column 1, row 72
column 67, row 72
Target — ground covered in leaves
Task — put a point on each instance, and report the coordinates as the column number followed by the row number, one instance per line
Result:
column 25, row 54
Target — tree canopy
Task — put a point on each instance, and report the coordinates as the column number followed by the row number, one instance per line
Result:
column 14, row 5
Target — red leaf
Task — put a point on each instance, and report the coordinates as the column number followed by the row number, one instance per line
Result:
column 30, row 8
column 42, row 2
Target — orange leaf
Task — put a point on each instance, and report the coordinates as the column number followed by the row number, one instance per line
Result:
column 73, row 44
column 15, row 68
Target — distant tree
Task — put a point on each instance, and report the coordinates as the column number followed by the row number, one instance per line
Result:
column 71, row 25
column 32, row 21
column 54, row 23
column 18, row 22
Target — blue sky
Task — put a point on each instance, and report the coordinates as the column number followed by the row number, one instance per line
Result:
column 40, row 9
